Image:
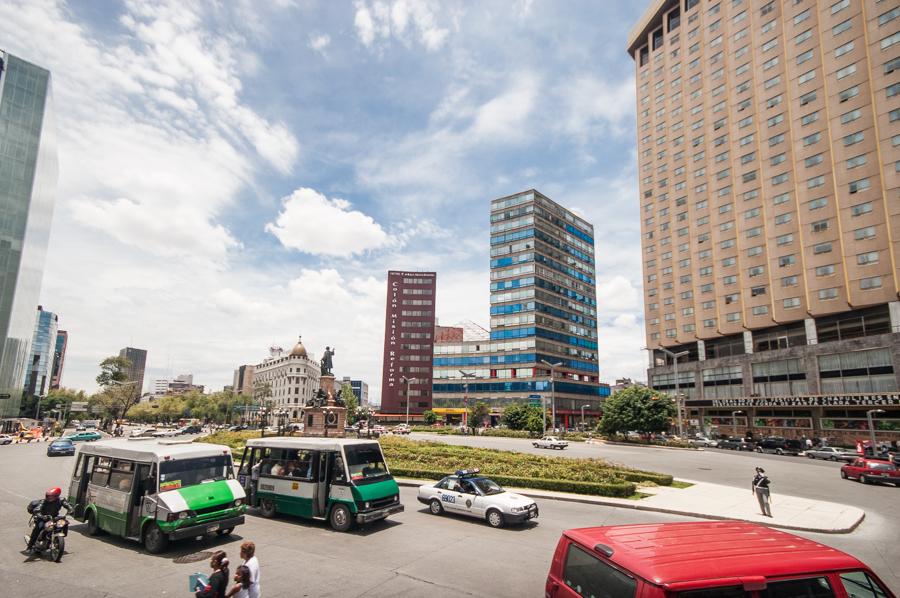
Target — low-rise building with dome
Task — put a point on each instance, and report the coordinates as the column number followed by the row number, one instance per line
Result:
column 293, row 378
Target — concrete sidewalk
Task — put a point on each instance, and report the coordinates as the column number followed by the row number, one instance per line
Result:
column 714, row 501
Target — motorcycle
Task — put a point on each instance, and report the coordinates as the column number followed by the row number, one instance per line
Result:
column 52, row 537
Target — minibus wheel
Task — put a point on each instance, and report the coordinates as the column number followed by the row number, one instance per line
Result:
column 155, row 541
column 92, row 528
column 340, row 518
column 267, row 508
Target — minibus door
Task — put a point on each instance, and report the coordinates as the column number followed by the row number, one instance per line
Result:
column 325, row 459
column 140, row 503
column 85, row 467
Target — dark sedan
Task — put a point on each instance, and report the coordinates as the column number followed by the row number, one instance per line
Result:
column 61, row 447
column 737, row 444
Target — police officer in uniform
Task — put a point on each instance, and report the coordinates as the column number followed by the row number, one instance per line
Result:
column 760, row 487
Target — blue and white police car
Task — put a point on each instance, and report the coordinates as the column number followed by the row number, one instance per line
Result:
column 467, row 493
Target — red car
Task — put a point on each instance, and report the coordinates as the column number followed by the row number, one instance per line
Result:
column 871, row 470
column 714, row 559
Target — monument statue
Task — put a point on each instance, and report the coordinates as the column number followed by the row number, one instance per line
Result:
column 326, row 362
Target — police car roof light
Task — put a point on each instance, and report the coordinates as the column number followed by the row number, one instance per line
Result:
column 467, row 472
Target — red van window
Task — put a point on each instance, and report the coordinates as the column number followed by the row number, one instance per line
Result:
column 860, row 585
column 588, row 576
column 723, row 592
column 808, row 587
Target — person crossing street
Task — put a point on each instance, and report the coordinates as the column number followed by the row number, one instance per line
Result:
column 760, row 487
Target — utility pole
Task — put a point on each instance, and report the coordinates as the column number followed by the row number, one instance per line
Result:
column 553, row 367
column 407, row 381
column 872, row 429
column 466, row 376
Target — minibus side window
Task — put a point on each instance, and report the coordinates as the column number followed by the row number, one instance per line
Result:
column 100, row 475
column 122, row 475
column 337, row 470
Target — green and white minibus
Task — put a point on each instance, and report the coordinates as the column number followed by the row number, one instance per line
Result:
column 340, row 480
column 153, row 490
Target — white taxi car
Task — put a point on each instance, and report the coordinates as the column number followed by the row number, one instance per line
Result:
column 467, row 493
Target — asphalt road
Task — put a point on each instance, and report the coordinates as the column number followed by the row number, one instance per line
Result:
column 412, row 554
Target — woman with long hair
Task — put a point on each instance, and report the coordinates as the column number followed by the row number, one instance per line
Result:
column 218, row 581
column 241, row 589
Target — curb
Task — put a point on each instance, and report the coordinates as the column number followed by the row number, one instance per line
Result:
column 661, row 446
column 606, row 502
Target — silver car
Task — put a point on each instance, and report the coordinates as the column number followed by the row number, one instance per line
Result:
column 831, row 453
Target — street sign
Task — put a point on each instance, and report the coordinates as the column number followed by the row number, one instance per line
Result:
column 534, row 396
column 82, row 406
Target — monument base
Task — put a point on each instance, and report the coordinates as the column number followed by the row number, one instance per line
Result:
column 327, row 421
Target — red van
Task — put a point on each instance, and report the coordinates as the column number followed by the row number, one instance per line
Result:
column 714, row 559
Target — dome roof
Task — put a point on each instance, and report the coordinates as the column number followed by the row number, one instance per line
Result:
column 299, row 350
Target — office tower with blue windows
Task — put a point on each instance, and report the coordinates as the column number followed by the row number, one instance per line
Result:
column 28, row 172
column 38, row 377
column 543, row 318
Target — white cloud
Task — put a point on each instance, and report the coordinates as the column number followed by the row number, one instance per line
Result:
column 404, row 20
column 312, row 223
column 319, row 42
column 594, row 107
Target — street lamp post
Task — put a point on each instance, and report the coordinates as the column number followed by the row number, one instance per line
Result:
column 406, row 380
column 553, row 367
column 675, row 357
column 583, row 407
column 872, row 427
column 466, row 376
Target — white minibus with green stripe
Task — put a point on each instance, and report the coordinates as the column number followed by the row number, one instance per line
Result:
column 340, row 480
column 153, row 491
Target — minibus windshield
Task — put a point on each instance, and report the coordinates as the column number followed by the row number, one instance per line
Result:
column 365, row 462
column 190, row 472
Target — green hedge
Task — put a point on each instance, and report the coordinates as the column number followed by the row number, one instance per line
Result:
column 619, row 489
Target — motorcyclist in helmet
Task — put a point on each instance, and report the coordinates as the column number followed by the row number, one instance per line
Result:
column 47, row 508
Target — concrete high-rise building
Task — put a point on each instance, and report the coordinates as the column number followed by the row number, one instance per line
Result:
column 769, row 166
column 408, row 343
column 43, row 348
column 243, row 380
column 28, row 172
column 138, row 359
column 543, row 314
column 59, row 357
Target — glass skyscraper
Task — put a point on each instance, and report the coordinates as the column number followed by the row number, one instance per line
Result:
column 543, row 314
column 28, row 173
column 43, row 351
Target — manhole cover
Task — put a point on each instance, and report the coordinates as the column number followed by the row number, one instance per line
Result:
column 194, row 557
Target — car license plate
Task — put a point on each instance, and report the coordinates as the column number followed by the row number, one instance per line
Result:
column 212, row 528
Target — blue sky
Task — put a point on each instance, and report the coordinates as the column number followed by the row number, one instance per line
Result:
column 234, row 174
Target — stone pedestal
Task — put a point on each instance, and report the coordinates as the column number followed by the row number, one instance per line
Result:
column 327, row 421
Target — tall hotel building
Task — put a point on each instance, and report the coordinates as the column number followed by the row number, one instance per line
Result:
column 408, row 345
column 28, row 171
column 543, row 311
column 769, row 156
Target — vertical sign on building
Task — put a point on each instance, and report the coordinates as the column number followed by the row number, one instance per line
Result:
column 408, row 342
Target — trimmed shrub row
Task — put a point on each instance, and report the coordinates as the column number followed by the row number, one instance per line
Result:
column 618, row 489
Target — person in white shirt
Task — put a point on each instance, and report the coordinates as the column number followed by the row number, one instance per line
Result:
column 248, row 553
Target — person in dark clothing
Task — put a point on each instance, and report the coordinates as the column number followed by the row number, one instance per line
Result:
column 218, row 581
column 47, row 510
column 760, row 488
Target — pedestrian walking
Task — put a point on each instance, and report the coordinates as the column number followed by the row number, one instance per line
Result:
column 760, row 487
column 241, row 588
column 248, row 553
column 218, row 581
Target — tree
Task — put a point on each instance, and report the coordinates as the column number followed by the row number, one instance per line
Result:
column 117, row 394
column 61, row 399
column 171, row 408
column 350, row 403
column 429, row 417
column 522, row 416
column 478, row 413
column 638, row 409
column 113, row 369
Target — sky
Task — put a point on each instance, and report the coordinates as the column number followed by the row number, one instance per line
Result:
column 235, row 174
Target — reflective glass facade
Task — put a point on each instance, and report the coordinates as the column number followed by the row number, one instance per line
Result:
column 43, row 349
column 59, row 357
column 28, row 173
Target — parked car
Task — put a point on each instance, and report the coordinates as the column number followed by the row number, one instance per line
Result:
column 709, row 558
column 237, row 428
column 142, row 432
column 192, row 429
column 736, row 444
column 62, row 446
column 780, row 446
column 83, row 436
column 5, row 439
column 866, row 471
column 165, row 432
column 703, row 441
column 80, row 428
column 551, row 442
column 832, row 453
column 401, row 429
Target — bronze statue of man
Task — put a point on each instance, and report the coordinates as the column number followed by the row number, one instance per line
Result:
column 326, row 362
